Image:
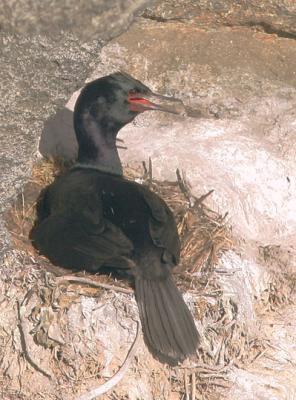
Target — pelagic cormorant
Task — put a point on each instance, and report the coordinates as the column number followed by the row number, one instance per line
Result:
column 92, row 218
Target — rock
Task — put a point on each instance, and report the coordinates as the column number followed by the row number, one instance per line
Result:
column 273, row 17
column 87, row 20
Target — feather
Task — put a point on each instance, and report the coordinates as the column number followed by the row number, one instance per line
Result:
column 169, row 329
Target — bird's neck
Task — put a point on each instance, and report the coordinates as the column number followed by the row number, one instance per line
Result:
column 97, row 145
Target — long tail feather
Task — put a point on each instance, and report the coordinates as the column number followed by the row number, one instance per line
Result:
column 168, row 326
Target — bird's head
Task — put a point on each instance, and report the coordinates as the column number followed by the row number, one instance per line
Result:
column 116, row 99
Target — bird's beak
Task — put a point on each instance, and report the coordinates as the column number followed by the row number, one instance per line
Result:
column 140, row 102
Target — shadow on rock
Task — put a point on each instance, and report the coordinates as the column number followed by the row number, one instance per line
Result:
column 58, row 136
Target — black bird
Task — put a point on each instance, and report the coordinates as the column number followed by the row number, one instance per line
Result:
column 92, row 218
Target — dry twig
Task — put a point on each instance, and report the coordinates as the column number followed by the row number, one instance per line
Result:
column 90, row 282
column 24, row 340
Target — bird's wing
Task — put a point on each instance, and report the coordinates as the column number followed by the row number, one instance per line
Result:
column 74, row 233
column 162, row 225
column 105, row 243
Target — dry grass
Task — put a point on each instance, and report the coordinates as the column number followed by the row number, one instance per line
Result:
column 204, row 237
column 203, row 232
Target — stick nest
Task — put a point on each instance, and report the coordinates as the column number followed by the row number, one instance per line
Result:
column 204, row 235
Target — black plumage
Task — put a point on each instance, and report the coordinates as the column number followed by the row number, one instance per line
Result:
column 93, row 218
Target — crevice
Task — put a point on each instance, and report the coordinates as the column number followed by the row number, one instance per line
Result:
column 162, row 19
column 266, row 28
column 262, row 25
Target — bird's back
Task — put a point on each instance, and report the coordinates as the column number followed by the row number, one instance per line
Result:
column 77, row 208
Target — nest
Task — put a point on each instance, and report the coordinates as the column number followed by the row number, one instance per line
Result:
column 204, row 235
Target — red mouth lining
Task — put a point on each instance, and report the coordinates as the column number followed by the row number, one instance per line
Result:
column 139, row 104
column 138, row 100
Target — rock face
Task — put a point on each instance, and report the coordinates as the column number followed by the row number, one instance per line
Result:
column 270, row 16
column 87, row 20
